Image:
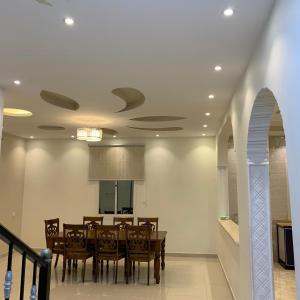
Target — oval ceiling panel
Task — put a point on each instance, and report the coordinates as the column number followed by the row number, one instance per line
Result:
column 132, row 97
column 158, row 129
column 50, row 127
column 157, row 118
column 109, row 131
column 59, row 100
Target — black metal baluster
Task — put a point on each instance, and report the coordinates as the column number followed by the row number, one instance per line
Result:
column 45, row 275
column 23, row 276
column 8, row 276
column 33, row 292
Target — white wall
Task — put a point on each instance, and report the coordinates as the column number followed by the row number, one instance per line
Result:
column 275, row 65
column 12, row 169
column 179, row 187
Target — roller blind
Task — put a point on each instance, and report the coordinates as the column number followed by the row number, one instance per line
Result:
column 116, row 163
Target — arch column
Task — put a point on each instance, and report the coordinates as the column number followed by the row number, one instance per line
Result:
column 259, row 192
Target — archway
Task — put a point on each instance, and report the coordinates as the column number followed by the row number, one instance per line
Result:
column 259, row 193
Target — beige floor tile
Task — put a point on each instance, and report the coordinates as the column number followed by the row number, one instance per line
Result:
column 183, row 279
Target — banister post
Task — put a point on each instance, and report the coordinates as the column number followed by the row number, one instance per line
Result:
column 45, row 275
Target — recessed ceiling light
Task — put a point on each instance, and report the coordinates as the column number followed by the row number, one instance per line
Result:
column 32, row 137
column 218, row 68
column 157, row 135
column 72, row 136
column 207, row 114
column 17, row 82
column 211, row 96
column 205, row 125
column 203, row 134
column 15, row 112
column 69, row 21
column 228, row 12
column 114, row 136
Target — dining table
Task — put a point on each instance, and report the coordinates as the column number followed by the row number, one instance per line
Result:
column 157, row 240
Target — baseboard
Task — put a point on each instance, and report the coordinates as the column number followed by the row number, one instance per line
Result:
column 230, row 288
column 179, row 254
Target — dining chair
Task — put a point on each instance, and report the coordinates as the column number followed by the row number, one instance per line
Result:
column 151, row 222
column 51, row 230
column 75, row 246
column 92, row 222
column 107, row 248
column 123, row 222
column 138, row 244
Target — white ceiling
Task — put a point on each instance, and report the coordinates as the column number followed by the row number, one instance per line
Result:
column 165, row 48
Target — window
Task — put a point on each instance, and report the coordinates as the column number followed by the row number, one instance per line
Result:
column 116, row 197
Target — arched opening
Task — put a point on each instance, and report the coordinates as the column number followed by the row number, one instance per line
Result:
column 269, row 202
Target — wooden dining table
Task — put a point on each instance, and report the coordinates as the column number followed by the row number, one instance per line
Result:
column 157, row 239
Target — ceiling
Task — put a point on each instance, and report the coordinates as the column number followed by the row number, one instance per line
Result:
column 165, row 49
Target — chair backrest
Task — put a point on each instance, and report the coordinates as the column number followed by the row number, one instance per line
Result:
column 107, row 239
column 151, row 222
column 51, row 229
column 123, row 223
column 92, row 222
column 75, row 238
column 138, row 239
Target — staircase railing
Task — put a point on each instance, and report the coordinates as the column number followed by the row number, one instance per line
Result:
column 41, row 263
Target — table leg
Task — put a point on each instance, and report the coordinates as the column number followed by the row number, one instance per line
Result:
column 157, row 262
column 163, row 254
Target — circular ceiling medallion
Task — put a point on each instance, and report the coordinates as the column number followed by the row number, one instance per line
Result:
column 50, row 127
column 15, row 112
column 158, row 129
column 158, row 118
column 59, row 100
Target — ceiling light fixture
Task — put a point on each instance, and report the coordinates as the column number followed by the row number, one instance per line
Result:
column 218, row 68
column 15, row 112
column 157, row 135
column 205, row 125
column 72, row 136
column 17, row 82
column 89, row 134
column 228, row 12
column 114, row 136
column 211, row 96
column 203, row 134
column 69, row 21
column 207, row 114
column 31, row 137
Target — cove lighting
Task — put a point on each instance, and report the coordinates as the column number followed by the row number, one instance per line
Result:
column 15, row 112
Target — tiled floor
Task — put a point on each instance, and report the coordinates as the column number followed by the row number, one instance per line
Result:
column 285, row 283
column 183, row 279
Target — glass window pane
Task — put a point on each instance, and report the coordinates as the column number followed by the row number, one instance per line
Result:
column 107, row 197
column 125, row 197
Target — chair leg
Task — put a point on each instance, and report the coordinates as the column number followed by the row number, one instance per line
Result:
column 83, row 269
column 101, row 267
column 96, row 274
column 148, row 272
column 64, row 269
column 116, row 271
column 69, row 266
column 56, row 261
column 127, row 271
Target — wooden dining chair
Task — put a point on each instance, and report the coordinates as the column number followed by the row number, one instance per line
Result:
column 92, row 222
column 123, row 222
column 151, row 222
column 138, row 244
column 75, row 246
column 107, row 248
column 51, row 230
